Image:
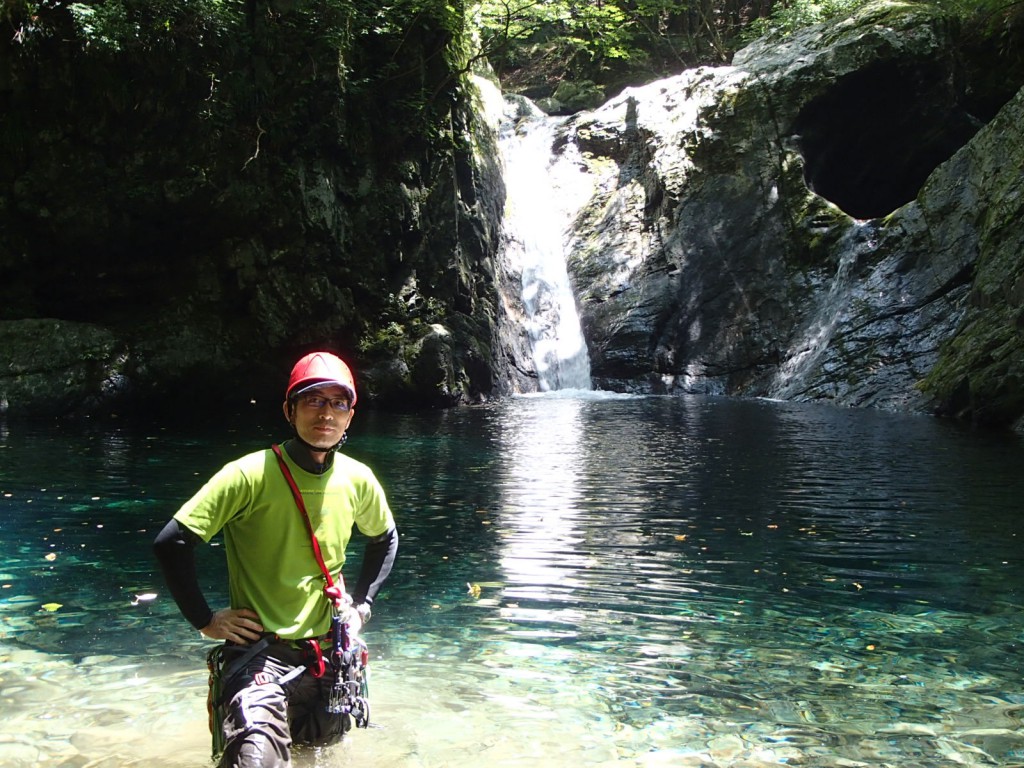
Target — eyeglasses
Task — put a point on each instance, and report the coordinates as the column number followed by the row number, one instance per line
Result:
column 317, row 402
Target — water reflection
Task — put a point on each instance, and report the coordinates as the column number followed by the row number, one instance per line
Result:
column 539, row 483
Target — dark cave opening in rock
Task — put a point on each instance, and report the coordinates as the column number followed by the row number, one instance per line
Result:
column 870, row 142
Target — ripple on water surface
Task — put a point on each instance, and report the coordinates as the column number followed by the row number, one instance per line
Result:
column 610, row 580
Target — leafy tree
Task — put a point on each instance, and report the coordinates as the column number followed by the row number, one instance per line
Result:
column 786, row 18
column 568, row 34
column 612, row 39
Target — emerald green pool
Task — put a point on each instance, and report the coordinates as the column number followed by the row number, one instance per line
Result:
column 584, row 579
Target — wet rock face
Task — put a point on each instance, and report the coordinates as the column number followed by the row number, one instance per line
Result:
column 58, row 364
column 219, row 219
column 804, row 224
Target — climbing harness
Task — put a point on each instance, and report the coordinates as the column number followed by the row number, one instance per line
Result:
column 349, row 656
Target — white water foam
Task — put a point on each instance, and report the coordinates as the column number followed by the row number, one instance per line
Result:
column 545, row 191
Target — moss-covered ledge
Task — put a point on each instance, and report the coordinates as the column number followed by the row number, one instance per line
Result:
column 980, row 372
column 52, row 364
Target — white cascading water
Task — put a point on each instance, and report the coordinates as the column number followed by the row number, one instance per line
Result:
column 544, row 193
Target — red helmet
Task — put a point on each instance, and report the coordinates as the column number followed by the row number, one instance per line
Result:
column 319, row 369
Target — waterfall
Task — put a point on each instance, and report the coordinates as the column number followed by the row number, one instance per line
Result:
column 544, row 193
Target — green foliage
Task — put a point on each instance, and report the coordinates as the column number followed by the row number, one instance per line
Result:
column 596, row 31
column 789, row 17
column 119, row 25
column 103, row 25
column 612, row 41
column 385, row 341
column 999, row 23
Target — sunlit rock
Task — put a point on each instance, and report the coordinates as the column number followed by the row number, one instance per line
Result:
column 807, row 222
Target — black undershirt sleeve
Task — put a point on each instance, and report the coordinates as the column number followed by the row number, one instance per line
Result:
column 378, row 558
column 174, row 548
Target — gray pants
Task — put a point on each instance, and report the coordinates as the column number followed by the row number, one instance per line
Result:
column 262, row 718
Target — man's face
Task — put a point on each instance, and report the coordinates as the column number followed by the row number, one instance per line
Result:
column 317, row 418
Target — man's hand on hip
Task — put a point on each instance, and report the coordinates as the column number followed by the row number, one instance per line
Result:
column 239, row 625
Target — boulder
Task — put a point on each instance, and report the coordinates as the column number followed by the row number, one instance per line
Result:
column 814, row 222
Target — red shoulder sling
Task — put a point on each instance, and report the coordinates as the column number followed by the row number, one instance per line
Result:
column 336, row 592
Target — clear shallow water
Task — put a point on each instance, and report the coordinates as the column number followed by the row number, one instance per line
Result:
column 661, row 582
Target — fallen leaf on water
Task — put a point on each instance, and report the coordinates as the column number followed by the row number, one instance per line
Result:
column 51, row 607
column 51, row 556
column 680, row 537
column 473, row 589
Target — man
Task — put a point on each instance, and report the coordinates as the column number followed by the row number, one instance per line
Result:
column 287, row 515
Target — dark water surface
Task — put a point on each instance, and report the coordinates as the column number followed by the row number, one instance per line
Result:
column 583, row 580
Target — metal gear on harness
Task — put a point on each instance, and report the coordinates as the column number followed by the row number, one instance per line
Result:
column 314, row 657
column 349, row 660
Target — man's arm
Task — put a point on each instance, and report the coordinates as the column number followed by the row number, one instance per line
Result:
column 378, row 559
column 174, row 548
